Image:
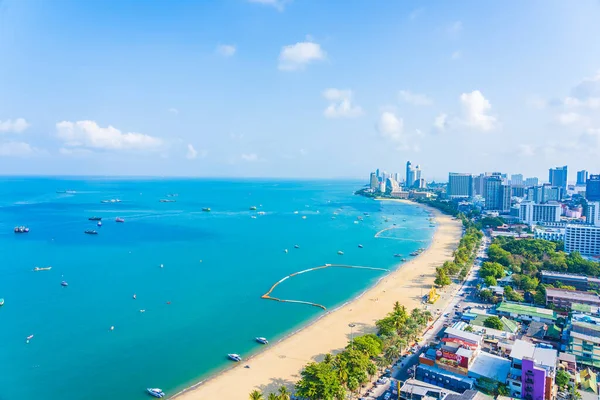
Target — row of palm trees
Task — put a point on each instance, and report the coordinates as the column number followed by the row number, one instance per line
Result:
column 282, row 394
column 363, row 358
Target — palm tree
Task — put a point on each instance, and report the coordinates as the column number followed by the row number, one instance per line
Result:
column 328, row 359
column 391, row 354
column 284, row 394
column 256, row 395
column 341, row 366
column 381, row 363
column 272, row 396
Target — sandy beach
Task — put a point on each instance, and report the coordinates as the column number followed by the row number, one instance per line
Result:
column 282, row 362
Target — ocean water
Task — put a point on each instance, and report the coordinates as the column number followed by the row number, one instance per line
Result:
column 205, row 301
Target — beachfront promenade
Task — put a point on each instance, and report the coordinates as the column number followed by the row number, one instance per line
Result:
column 282, row 362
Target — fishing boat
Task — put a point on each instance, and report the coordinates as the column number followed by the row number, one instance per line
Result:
column 29, row 338
column 360, row 246
column 206, row 209
column 119, row 219
column 64, row 284
column 414, row 253
column 167, row 201
column 252, row 208
column 262, row 340
column 285, row 250
column 234, row 357
column 296, row 246
column 398, row 255
column 95, row 218
column 1, row 302
column 21, row 229
column 99, row 223
column 341, row 253
column 134, row 296
column 42, row 269
column 90, row 232
column 155, row 392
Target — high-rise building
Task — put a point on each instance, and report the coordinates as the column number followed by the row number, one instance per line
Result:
column 558, row 177
column 397, row 177
column 592, row 188
column 374, row 181
column 460, row 185
column 382, row 186
column 582, row 177
column 592, row 213
column 531, row 182
column 417, row 173
column 377, row 172
column 497, row 195
column 410, row 175
column 516, row 180
column 530, row 212
column 479, row 185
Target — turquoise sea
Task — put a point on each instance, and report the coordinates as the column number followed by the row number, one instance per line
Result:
column 205, row 301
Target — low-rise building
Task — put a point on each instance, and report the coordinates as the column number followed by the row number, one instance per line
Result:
column 584, row 339
column 551, row 234
column 565, row 298
column 522, row 312
column 579, row 282
column 444, row 379
column 413, row 389
column 584, row 239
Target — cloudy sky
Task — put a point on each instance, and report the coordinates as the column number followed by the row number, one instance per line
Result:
column 298, row 88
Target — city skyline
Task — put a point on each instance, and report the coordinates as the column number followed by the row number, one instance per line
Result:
column 246, row 88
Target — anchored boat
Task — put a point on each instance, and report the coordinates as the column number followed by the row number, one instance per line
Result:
column 234, row 357
column 262, row 340
column 155, row 392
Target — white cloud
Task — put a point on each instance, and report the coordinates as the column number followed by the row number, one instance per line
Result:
column 278, row 4
column 589, row 87
column 340, row 104
column 441, row 122
column 88, row 134
column 226, row 50
column 456, row 55
column 250, row 157
column 569, row 118
column 16, row 149
column 589, row 102
column 173, row 111
column 475, row 111
column 297, row 56
column 390, row 127
column 16, row 126
column 415, row 98
column 191, row 152
column 303, row 152
column 455, row 28
column 74, row 152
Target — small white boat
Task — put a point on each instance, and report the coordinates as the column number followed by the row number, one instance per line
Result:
column 234, row 357
column 356, row 222
column 112, row 328
column 99, row 223
column 29, row 338
column 295, row 212
column 155, row 392
column 253, row 216
column 304, row 217
column 341, row 253
column 296, row 246
column 134, row 296
column 360, row 246
column 262, row 340
column 162, row 266
column 285, row 251
column 261, row 213
column 142, row 311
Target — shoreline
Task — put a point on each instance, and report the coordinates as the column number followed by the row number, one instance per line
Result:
column 281, row 362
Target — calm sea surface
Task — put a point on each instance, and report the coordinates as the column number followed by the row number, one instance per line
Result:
column 205, row 300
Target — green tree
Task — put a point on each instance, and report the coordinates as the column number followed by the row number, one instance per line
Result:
column 511, row 295
column 371, row 370
column 353, row 384
column 319, row 381
column 391, row 354
column 486, row 295
column 272, row 396
column 562, row 378
column 256, row 395
column 490, row 281
column 284, row 393
column 468, row 328
column 442, row 278
column 492, row 269
column 502, row 390
column 493, row 322
column 369, row 344
column 328, row 359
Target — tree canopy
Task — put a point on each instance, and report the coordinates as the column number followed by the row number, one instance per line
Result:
column 493, row 322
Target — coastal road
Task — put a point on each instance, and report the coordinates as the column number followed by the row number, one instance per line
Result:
column 401, row 373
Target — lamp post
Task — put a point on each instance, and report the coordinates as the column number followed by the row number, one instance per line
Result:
column 351, row 335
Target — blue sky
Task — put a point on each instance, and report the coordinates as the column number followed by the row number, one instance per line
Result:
column 298, row 88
